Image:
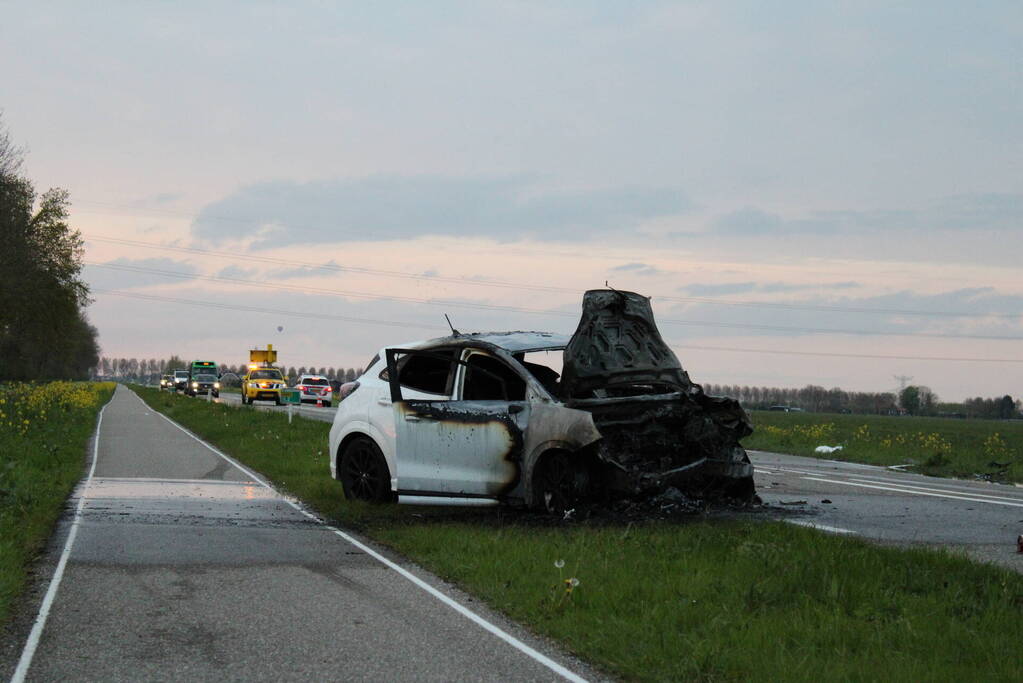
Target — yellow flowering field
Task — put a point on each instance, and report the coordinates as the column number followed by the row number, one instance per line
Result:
column 989, row 449
column 44, row 431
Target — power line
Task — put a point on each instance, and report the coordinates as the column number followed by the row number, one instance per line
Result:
column 405, row 324
column 263, row 309
column 546, row 288
column 519, row 309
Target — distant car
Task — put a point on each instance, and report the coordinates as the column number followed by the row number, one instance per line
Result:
column 470, row 416
column 263, row 384
column 315, row 388
column 167, row 382
column 203, row 384
column 180, row 380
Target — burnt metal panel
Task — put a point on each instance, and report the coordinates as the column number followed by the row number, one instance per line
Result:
column 617, row 343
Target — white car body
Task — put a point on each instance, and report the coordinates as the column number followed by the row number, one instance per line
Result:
column 470, row 418
column 465, row 461
column 315, row 388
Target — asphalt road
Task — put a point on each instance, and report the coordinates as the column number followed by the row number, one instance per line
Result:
column 305, row 410
column 184, row 566
column 892, row 506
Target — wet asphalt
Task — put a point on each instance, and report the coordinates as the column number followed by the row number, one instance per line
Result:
column 186, row 568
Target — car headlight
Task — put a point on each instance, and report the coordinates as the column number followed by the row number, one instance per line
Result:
column 253, row 385
column 195, row 385
column 216, row 385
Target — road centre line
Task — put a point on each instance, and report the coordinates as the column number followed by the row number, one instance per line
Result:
column 951, row 487
column 951, row 491
column 895, row 489
column 28, row 652
column 453, row 604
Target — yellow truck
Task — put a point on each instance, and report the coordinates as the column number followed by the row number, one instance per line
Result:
column 263, row 381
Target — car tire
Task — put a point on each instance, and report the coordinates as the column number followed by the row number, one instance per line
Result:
column 244, row 401
column 363, row 472
column 559, row 483
column 216, row 394
column 277, row 400
column 326, row 404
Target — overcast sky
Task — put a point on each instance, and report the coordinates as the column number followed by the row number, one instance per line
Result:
column 818, row 192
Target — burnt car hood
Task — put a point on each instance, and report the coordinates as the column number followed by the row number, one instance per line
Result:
column 657, row 427
column 617, row 344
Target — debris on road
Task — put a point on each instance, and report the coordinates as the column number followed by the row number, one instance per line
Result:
column 827, row 449
column 793, row 502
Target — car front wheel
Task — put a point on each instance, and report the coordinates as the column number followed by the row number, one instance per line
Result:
column 363, row 472
column 560, row 482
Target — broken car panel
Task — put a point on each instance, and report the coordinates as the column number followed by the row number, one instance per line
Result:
column 467, row 416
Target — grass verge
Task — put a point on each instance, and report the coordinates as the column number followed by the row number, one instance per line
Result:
column 943, row 447
column 700, row 600
column 44, row 430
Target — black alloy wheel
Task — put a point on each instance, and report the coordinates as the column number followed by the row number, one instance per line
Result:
column 363, row 472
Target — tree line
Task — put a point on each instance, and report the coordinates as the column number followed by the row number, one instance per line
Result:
column 44, row 333
column 911, row 400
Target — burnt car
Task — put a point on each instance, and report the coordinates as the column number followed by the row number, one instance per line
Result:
column 491, row 417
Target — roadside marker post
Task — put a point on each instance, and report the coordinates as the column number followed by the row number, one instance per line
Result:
column 291, row 397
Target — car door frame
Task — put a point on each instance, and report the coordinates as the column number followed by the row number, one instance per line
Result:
column 496, row 428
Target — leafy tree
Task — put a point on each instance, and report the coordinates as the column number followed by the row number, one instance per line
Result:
column 1006, row 408
column 43, row 330
column 175, row 363
column 909, row 400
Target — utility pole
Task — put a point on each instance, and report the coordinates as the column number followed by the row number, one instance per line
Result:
column 903, row 380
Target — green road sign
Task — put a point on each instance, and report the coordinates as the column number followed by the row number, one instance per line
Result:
column 291, row 396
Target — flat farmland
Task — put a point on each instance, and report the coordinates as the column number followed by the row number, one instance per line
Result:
column 990, row 449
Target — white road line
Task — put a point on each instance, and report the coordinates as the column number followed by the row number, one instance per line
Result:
column 820, row 527
column 960, row 492
column 952, row 488
column 896, row 489
column 51, row 592
column 465, row 612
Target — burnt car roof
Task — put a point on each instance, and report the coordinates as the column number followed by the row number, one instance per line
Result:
column 512, row 342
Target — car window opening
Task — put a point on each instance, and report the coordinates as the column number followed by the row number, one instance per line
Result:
column 489, row 379
column 429, row 373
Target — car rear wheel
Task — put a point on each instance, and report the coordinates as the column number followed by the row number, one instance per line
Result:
column 363, row 472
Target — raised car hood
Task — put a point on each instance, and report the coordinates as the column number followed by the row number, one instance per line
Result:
column 616, row 344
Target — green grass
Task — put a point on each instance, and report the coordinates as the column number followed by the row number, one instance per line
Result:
column 44, row 430
column 706, row 599
column 936, row 446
